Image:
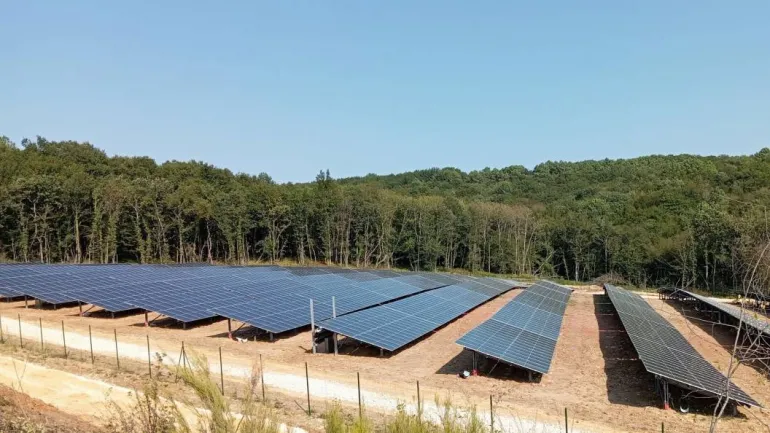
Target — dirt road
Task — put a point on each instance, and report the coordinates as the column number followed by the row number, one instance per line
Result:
column 77, row 395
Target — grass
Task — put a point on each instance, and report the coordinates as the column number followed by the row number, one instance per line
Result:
column 451, row 420
column 210, row 411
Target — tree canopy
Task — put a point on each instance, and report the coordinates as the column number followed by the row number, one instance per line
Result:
column 656, row 220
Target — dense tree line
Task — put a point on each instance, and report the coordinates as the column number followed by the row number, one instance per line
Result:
column 684, row 220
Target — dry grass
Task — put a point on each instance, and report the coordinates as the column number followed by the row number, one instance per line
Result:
column 451, row 420
column 212, row 412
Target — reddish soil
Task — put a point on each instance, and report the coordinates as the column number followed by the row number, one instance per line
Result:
column 20, row 413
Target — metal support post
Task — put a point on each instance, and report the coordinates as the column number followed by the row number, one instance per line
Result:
column 312, row 327
column 334, row 315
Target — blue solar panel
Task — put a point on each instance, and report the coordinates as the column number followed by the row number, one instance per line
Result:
column 349, row 296
column 294, row 313
column 361, row 276
column 665, row 352
column 524, row 332
column 113, row 298
column 196, row 291
column 11, row 271
column 398, row 323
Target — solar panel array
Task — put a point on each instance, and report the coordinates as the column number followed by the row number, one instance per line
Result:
column 396, row 324
column 271, row 298
column 285, row 310
column 750, row 318
column 665, row 352
column 525, row 331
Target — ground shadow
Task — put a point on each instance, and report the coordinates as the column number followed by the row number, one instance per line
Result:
column 168, row 322
column 458, row 363
column 628, row 382
column 488, row 367
column 250, row 333
column 104, row 314
column 352, row 347
column 39, row 305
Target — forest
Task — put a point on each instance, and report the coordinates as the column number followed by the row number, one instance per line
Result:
column 690, row 221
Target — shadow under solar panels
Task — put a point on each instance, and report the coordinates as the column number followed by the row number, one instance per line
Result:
column 665, row 352
column 525, row 331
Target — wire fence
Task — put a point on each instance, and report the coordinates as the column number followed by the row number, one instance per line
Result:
column 86, row 353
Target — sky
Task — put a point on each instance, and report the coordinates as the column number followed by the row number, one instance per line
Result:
column 356, row 87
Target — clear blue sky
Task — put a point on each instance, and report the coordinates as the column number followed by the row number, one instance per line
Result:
column 292, row 87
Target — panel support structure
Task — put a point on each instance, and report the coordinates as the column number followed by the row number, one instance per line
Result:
column 312, row 327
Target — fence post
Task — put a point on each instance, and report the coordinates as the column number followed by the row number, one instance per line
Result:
column 2, row 338
column 184, row 356
column 662, row 427
column 179, row 364
column 40, row 322
column 221, row 372
column 419, row 403
column 117, row 356
column 149, row 357
column 21, row 340
column 262, row 374
column 307, row 381
column 91, row 343
column 63, row 338
column 566, row 423
column 360, row 407
column 491, row 416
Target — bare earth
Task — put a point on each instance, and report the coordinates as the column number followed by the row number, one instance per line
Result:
column 19, row 411
column 594, row 373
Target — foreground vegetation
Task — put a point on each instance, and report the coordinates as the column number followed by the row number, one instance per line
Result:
column 212, row 412
column 658, row 220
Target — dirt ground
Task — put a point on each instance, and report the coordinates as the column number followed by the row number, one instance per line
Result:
column 19, row 412
column 594, row 375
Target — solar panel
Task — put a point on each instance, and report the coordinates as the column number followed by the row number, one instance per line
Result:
column 361, row 276
column 114, row 299
column 307, row 271
column 294, row 312
column 395, row 324
column 665, row 352
column 750, row 318
column 385, row 273
column 525, row 331
column 276, row 296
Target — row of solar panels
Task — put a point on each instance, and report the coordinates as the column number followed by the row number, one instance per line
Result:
column 525, row 331
column 749, row 318
column 396, row 324
column 666, row 353
column 272, row 298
